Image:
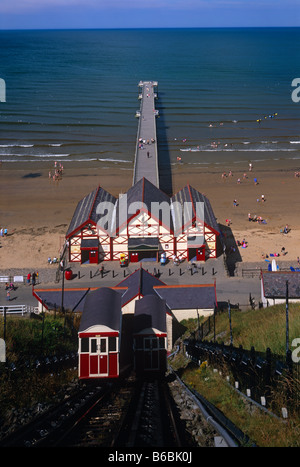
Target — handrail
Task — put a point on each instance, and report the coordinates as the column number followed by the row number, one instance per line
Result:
column 17, row 309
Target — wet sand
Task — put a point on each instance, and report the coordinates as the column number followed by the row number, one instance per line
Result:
column 37, row 211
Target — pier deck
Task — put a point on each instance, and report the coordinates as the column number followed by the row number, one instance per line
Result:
column 146, row 157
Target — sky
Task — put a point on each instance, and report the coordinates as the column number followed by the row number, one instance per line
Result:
column 73, row 14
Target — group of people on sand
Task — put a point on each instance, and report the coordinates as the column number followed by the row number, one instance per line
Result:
column 58, row 172
column 256, row 218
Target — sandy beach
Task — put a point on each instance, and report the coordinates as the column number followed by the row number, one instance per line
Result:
column 37, row 211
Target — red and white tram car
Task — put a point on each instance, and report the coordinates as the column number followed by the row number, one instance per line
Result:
column 99, row 335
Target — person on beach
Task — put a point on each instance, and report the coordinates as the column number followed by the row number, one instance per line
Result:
column 28, row 278
column 8, row 295
column 250, row 167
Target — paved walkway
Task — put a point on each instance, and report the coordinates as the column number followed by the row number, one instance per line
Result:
column 235, row 289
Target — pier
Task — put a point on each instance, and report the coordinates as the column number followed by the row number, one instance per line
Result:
column 146, row 157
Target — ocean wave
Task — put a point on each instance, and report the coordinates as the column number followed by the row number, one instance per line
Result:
column 42, row 156
column 222, row 149
column 16, row 145
column 115, row 160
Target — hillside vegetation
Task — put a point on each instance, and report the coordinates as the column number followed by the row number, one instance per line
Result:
column 262, row 329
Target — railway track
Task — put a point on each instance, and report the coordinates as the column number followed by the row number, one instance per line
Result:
column 152, row 420
column 50, row 425
column 126, row 413
column 138, row 413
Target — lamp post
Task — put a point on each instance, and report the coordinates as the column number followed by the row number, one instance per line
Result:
column 287, row 318
column 198, row 324
column 62, row 265
column 229, row 315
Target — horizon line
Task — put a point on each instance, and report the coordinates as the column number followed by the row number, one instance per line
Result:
column 144, row 28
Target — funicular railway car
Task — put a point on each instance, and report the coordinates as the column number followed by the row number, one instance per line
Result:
column 100, row 335
column 150, row 336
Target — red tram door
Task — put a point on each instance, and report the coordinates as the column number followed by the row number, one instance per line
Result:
column 99, row 356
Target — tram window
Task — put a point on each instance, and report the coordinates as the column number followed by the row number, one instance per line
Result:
column 103, row 345
column 93, row 345
column 154, row 343
column 84, row 344
column 161, row 342
column 112, row 344
column 147, row 344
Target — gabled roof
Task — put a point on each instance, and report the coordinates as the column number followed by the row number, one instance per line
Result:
column 274, row 284
column 102, row 306
column 184, row 218
column 179, row 297
column 139, row 283
column 142, row 192
column 150, row 312
column 73, row 298
column 85, row 211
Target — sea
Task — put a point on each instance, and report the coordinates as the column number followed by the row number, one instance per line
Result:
column 224, row 94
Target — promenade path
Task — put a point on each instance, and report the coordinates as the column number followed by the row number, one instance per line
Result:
column 235, row 289
column 146, row 156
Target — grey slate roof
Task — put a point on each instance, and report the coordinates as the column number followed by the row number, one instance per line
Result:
column 142, row 192
column 102, row 306
column 150, row 312
column 188, row 297
column 191, row 195
column 140, row 282
column 86, row 209
column 274, row 284
column 73, row 299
